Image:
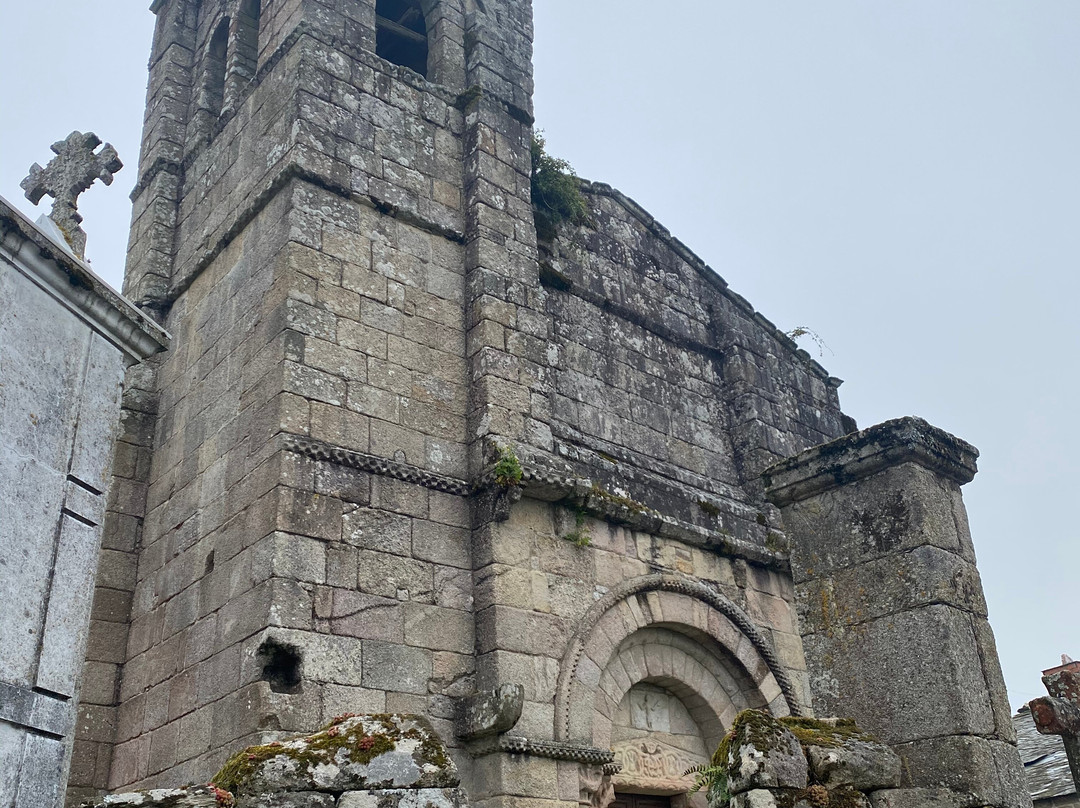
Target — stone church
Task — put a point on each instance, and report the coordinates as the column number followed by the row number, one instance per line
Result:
column 568, row 496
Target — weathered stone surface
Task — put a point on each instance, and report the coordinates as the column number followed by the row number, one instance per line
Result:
column 491, row 712
column 861, row 764
column 915, row 798
column 980, row 772
column 763, row 753
column 288, row 799
column 190, row 797
column 71, row 172
column 756, row 798
column 405, row 798
column 912, row 659
column 65, row 338
column 352, row 753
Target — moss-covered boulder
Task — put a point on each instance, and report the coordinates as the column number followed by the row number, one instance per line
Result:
column 352, row 753
column 762, row 753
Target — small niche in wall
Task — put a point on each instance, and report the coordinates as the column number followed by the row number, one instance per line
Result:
column 282, row 666
column 401, row 34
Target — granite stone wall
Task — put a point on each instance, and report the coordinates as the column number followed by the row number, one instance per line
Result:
column 403, row 454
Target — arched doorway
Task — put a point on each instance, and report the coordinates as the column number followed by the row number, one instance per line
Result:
column 657, row 672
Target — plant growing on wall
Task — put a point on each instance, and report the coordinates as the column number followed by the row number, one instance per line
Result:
column 508, row 472
column 556, row 192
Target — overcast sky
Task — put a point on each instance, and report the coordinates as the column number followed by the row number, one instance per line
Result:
column 902, row 178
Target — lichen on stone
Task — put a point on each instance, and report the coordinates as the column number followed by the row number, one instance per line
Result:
column 832, row 732
column 351, row 752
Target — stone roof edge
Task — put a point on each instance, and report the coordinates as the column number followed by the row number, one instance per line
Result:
column 710, row 274
column 71, row 282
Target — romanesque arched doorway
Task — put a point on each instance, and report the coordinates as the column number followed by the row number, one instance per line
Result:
column 657, row 672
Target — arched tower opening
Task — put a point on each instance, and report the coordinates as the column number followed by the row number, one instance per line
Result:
column 401, row 34
column 215, row 68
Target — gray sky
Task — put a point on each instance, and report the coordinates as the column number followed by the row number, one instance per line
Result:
column 903, row 178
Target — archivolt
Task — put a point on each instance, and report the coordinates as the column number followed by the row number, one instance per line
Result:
column 616, row 616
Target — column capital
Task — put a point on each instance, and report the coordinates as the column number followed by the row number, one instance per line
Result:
column 862, row 454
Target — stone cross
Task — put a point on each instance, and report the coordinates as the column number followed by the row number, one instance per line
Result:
column 71, row 172
column 1059, row 714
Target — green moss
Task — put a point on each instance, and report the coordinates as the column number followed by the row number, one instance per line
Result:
column 327, row 744
column 556, row 192
column 603, row 495
column 508, row 472
column 709, row 508
column 467, row 98
column 829, row 734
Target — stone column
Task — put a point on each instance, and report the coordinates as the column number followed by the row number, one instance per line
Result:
column 891, row 606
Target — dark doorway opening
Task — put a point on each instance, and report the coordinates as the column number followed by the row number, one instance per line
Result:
column 401, row 34
column 640, row 801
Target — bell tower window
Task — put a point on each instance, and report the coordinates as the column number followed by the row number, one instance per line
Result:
column 401, row 34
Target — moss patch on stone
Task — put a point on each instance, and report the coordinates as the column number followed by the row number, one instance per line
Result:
column 347, row 738
column 829, row 734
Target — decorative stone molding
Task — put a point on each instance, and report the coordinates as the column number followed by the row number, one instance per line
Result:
column 555, row 750
column 547, row 485
column 664, row 583
column 319, row 450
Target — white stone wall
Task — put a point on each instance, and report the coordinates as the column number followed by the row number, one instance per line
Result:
column 61, row 375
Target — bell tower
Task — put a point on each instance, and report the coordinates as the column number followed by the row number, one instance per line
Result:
column 332, row 212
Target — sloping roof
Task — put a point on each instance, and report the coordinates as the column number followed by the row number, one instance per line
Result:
column 1045, row 764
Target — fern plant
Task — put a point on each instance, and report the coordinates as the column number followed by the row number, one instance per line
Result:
column 713, row 780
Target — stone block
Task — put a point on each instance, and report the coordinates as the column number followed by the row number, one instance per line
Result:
column 756, row 798
column 324, row 658
column 375, row 529
column 396, row 668
column 984, row 772
column 885, row 586
column 857, row 763
column 763, row 753
column 288, row 799
column 915, row 798
column 927, row 675
column 439, row 629
column 395, row 577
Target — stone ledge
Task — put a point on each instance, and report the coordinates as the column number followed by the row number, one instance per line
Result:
column 863, row 454
column 28, row 250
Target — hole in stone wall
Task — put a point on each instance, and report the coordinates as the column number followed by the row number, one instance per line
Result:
column 281, row 666
column 401, row 34
column 209, row 563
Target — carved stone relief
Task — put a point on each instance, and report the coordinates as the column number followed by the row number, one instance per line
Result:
column 648, row 763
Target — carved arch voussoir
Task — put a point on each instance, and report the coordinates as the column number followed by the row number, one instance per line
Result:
column 746, row 644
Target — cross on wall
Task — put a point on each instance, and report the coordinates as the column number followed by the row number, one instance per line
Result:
column 73, row 170
column 1059, row 713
